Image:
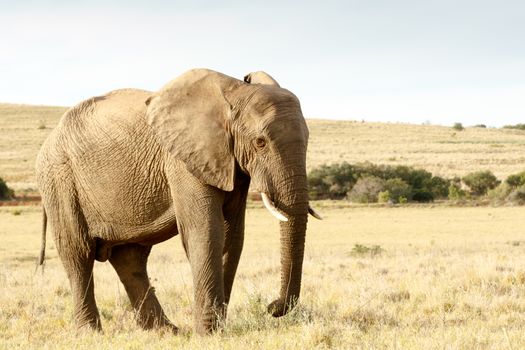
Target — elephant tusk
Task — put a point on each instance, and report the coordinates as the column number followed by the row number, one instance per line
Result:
column 268, row 203
column 315, row 214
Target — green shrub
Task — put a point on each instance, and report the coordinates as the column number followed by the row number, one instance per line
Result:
column 439, row 187
column 517, row 126
column 398, row 189
column 5, row 192
column 458, row 127
column 480, row 182
column 455, row 192
column 337, row 180
column 500, row 192
column 424, row 186
column 331, row 181
column 517, row 196
column 366, row 189
column 516, row 180
column 360, row 249
column 384, row 197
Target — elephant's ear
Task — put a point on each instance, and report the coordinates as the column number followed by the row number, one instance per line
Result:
column 260, row 77
column 191, row 118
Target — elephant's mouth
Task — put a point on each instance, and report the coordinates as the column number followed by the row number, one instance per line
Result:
column 279, row 214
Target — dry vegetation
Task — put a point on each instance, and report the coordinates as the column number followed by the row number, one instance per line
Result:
column 434, row 276
column 443, row 278
column 439, row 149
column 23, row 129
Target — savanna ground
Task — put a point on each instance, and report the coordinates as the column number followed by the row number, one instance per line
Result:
column 435, row 276
column 443, row 277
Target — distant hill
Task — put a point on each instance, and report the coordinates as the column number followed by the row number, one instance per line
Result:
column 439, row 149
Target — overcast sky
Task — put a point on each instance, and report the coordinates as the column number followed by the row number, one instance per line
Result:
column 400, row 61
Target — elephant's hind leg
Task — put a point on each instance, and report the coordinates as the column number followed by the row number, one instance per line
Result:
column 80, row 273
column 129, row 261
column 76, row 250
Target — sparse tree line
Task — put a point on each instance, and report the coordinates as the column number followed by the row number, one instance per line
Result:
column 460, row 127
column 372, row 183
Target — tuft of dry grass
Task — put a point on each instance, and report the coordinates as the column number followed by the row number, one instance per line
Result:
column 446, row 278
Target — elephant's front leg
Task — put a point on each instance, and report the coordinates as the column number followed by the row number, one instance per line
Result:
column 234, row 214
column 233, row 243
column 204, row 247
column 201, row 226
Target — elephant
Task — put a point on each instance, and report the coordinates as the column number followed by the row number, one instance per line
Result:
column 132, row 168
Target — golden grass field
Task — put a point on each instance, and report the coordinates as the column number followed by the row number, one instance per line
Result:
column 445, row 277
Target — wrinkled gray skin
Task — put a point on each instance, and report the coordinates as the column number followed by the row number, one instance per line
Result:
column 127, row 170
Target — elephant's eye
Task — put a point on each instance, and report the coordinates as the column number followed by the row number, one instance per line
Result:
column 260, row 142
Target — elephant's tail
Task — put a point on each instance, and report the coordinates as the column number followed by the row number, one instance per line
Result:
column 42, row 256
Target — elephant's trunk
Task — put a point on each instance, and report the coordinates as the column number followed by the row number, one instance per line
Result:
column 294, row 202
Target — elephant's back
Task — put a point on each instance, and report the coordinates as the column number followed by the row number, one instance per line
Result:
column 92, row 122
column 117, row 164
column 123, row 107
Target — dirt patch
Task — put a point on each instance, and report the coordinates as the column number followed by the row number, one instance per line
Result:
column 22, row 201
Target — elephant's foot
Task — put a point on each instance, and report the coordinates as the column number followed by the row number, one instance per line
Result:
column 212, row 321
column 279, row 308
column 170, row 327
column 87, row 317
column 206, row 328
column 156, row 321
column 91, row 324
column 164, row 326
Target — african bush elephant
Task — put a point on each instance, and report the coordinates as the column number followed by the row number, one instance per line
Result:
column 129, row 169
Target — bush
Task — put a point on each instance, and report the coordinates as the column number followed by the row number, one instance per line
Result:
column 5, row 192
column 361, row 249
column 439, row 187
column 336, row 181
column 516, row 180
column 366, row 189
column 397, row 189
column 384, row 197
column 458, row 127
column 500, row 193
column 480, row 182
column 331, row 181
column 517, row 196
column 455, row 192
column 517, row 126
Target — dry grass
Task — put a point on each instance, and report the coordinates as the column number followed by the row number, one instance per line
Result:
column 23, row 129
column 441, row 150
column 449, row 278
column 438, row 149
column 409, row 277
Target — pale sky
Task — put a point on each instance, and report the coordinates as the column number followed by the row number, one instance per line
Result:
column 400, row 61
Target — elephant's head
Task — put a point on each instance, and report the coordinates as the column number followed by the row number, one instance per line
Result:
column 216, row 124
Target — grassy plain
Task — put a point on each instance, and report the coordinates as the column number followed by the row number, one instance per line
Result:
column 438, row 149
column 445, row 278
